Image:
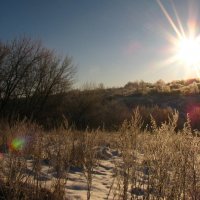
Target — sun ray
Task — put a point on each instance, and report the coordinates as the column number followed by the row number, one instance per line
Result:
column 170, row 20
column 178, row 19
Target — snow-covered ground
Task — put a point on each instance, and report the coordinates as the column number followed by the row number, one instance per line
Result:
column 102, row 181
column 75, row 182
column 103, row 177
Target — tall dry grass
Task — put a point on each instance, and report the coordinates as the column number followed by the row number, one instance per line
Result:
column 160, row 162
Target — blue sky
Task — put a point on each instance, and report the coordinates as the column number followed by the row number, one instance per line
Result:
column 111, row 41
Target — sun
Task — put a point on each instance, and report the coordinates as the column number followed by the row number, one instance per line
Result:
column 188, row 51
column 183, row 43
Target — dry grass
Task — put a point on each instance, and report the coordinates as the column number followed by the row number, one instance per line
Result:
column 160, row 163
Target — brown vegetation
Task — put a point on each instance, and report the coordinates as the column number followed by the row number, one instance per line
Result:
column 160, row 163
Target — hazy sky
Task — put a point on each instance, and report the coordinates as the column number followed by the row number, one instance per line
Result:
column 111, row 41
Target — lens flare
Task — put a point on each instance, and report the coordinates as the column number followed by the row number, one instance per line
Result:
column 194, row 112
column 17, row 144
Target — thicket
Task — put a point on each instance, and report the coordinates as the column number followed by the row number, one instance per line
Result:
column 29, row 74
column 185, row 87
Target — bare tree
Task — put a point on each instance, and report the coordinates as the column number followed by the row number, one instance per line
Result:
column 32, row 72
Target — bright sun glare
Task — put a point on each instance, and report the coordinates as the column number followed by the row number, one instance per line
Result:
column 188, row 51
column 185, row 44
